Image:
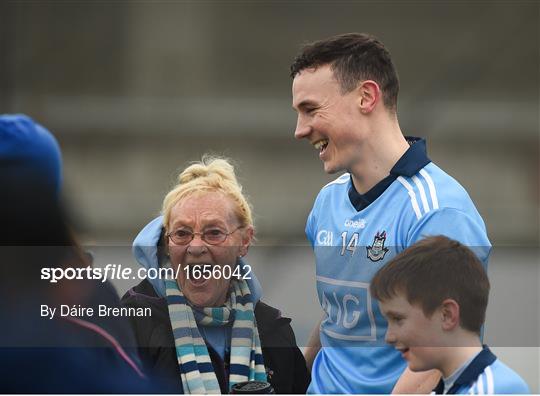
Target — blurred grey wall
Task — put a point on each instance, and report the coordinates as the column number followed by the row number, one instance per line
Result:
column 135, row 90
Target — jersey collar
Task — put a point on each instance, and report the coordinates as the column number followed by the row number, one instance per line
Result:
column 414, row 159
column 471, row 373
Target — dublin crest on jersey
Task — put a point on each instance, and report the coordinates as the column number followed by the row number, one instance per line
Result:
column 377, row 251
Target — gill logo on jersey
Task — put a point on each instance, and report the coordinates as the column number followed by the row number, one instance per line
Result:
column 325, row 238
column 377, row 251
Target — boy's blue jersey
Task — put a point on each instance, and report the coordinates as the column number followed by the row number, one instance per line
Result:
column 497, row 379
column 486, row 375
column 351, row 245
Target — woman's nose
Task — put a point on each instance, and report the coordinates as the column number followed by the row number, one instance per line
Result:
column 197, row 246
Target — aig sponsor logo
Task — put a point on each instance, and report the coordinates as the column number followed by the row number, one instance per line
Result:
column 356, row 223
column 325, row 238
column 349, row 309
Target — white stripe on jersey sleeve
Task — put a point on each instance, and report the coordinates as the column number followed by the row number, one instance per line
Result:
column 344, row 178
column 432, row 190
column 418, row 183
column 480, row 384
column 489, row 380
column 410, row 190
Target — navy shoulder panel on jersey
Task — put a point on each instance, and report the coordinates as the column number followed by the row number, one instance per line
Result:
column 471, row 373
column 414, row 159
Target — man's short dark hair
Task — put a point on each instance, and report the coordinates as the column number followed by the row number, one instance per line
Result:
column 435, row 269
column 353, row 57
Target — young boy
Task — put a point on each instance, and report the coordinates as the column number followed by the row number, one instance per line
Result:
column 434, row 296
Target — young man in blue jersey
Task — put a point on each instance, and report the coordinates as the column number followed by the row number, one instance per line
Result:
column 391, row 195
column 434, row 296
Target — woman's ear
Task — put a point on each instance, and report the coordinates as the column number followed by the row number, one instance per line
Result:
column 163, row 246
column 247, row 238
column 449, row 314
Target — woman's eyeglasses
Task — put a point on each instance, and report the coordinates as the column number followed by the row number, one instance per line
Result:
column 212, row 236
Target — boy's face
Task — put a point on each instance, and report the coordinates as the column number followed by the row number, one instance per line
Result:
column 419, row 338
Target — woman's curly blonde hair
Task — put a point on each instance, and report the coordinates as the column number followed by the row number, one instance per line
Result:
column 211, row 174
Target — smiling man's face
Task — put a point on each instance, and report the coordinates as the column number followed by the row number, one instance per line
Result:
column 329, row 119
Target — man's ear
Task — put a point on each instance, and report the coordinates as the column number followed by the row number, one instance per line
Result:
column 449, row 314
column 369, row 94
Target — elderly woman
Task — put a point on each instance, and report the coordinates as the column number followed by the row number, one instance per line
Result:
column 209, row 330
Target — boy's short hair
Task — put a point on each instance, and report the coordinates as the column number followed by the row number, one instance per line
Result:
column 432, row 270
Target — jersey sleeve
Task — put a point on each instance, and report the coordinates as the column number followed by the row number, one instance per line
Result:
column 310, row 228
column 454, row 224
column 507, row 381
column 515, row 387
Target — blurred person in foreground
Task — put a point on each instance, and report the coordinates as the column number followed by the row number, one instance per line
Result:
column 209, row 330
column 438, row 327
column 42, row 354
column 345, row 91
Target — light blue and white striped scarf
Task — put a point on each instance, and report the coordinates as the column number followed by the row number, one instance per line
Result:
column 196, row 370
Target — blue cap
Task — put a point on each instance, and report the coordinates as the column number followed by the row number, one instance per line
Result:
column 29, row 152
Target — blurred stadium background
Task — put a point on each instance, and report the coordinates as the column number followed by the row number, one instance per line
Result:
column 135, row 90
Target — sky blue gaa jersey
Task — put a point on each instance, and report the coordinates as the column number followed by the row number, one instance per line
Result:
column 353, row 236
column 486, row 375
